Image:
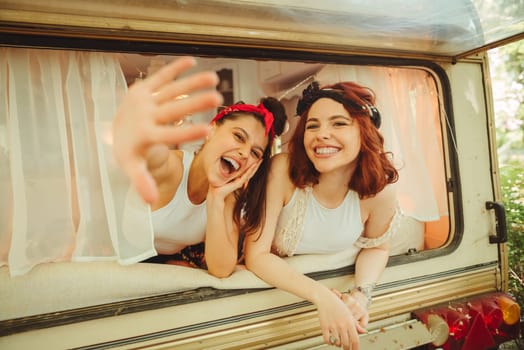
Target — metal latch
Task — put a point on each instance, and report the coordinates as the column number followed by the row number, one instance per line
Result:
column 501, row 235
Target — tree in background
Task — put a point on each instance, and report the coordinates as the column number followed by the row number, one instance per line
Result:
column 507, row 71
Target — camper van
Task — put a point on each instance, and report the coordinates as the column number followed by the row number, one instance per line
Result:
column 66, row 64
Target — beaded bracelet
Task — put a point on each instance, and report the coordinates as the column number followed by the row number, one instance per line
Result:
column 365, row 290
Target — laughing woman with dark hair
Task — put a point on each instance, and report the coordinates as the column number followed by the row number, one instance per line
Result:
column 202, row 196
column 337, row 193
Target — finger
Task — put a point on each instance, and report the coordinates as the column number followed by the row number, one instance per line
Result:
column 178, row 109
column 351, row 303
column 363, row 322
column 360, row 329
column 247, row 174
column 185, row 86
column 243, row 179
column 337, row 339
column 240, row 181
column 359, row 309
column 169, row 72
column 176, row 135
column 346, row 298
column 354, row 340
column 337, row 293
column 326, row 335
column 332, row 338
column 345, row 340
column 366, row 320
column 252, row 170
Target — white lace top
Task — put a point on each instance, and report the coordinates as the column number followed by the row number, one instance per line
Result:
column 306, row 227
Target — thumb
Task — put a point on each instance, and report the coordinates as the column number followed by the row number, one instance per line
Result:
column 361, row 329
column 362, row 324
column 143, row 183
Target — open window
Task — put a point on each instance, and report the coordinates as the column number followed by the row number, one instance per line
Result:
column 73, row 219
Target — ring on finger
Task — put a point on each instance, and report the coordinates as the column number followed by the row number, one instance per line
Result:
column 333, row 339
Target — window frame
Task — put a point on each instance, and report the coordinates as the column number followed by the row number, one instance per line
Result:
column 219, row 51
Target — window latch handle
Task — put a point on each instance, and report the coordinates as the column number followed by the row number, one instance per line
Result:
column 501, row 235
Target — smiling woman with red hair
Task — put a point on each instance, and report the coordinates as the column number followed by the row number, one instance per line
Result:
column 337, row 194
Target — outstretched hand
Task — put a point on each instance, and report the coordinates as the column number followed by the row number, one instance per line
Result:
column 146, row 115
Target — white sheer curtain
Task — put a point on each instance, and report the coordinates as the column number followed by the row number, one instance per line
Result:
column 62, row 196
column 411, row 128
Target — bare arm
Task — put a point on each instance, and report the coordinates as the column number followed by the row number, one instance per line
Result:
column 335, row 318
column 371, row 262
column 221, row 237
column 221, row 250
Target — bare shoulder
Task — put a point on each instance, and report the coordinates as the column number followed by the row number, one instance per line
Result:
column 379, row 211
column 280, row 162
column 279, row 168
column 279, row 182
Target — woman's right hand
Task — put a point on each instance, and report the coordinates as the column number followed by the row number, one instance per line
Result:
column 241, row 181
column 337, row 322
column 146, row 115
column 356, row 307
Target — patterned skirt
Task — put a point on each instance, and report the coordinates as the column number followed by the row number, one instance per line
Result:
column 190, row 256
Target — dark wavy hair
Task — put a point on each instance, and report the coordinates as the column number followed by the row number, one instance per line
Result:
column 374, row 167
column 250, row 209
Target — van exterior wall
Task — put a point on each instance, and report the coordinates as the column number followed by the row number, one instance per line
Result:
column 403, row 288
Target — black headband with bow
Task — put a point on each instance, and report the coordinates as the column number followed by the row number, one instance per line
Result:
column 313, row 92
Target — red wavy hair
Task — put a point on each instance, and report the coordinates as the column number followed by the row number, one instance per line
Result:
column 374, row 167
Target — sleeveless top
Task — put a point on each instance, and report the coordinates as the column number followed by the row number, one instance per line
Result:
column 179, row 223
column 306, row 227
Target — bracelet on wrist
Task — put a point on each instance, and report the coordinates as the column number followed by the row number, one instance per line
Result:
column 365, row 290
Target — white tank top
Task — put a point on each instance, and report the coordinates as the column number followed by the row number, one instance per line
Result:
column 324, row 230
column 179, row 223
